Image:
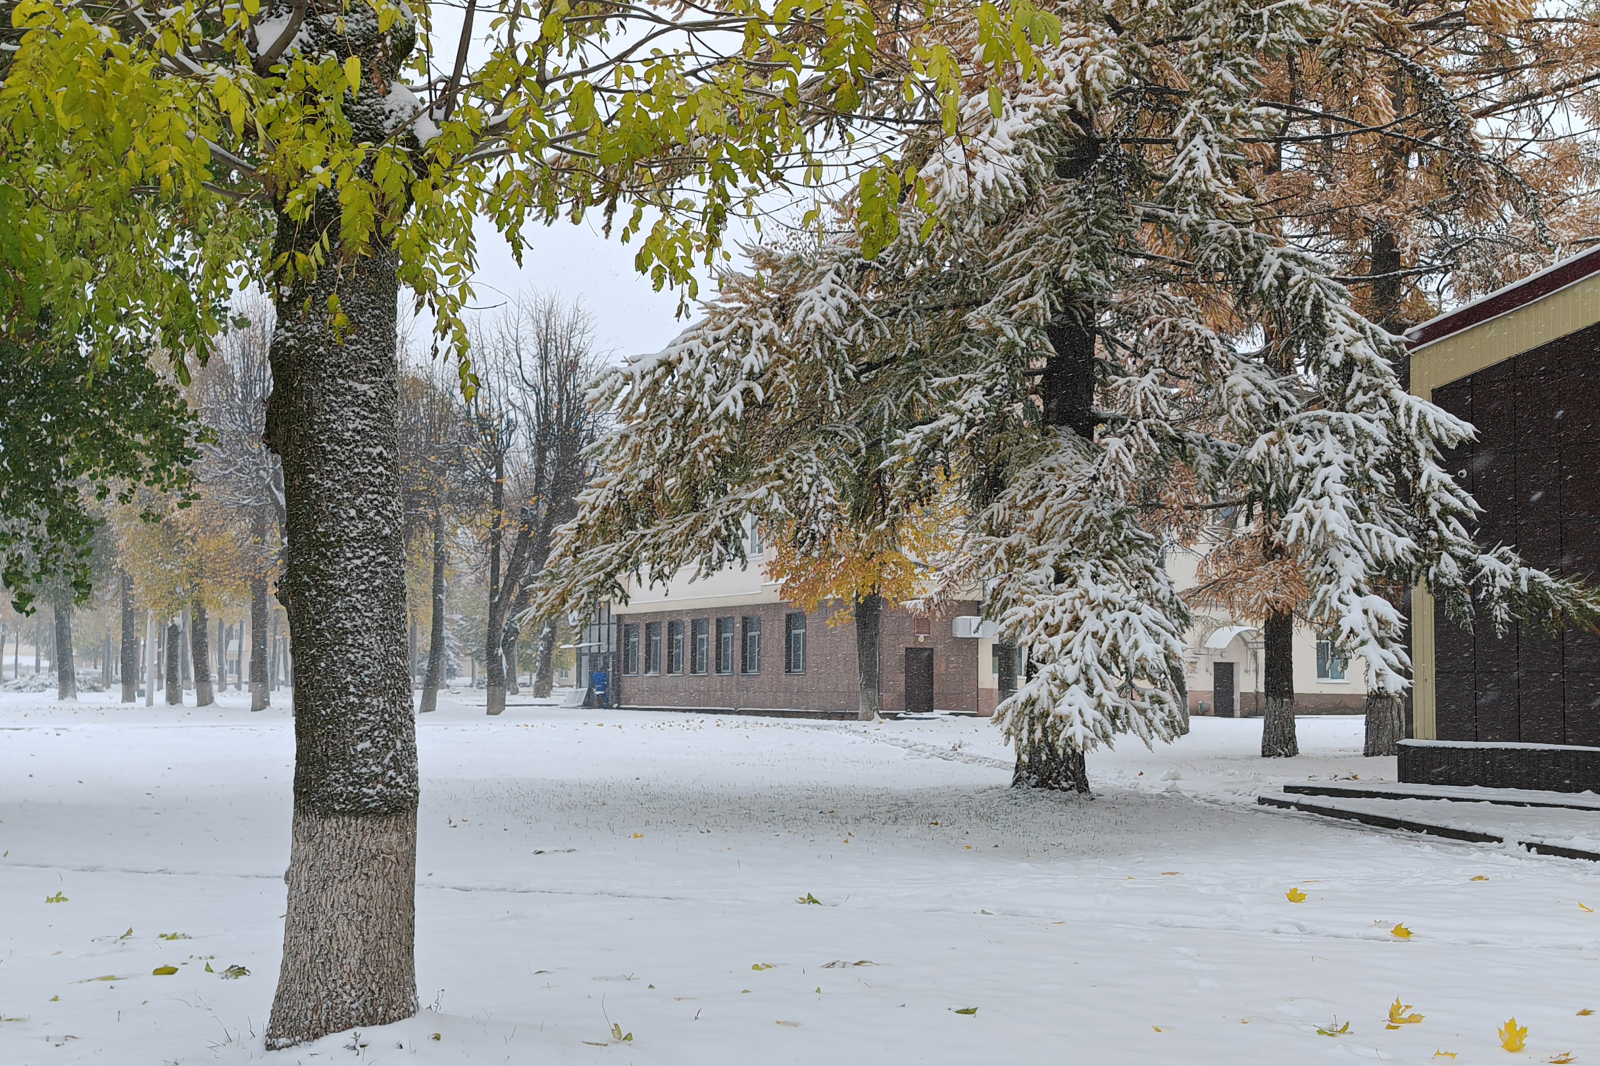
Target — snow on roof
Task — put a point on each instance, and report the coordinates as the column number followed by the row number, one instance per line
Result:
column 1504, row 300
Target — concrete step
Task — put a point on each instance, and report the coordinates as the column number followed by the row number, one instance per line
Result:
column 1571, row 833
column 1509, row 797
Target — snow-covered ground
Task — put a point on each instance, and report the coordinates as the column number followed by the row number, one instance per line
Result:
column 580, row 869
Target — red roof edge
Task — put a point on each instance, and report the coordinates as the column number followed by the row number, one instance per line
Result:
column 1517, row 294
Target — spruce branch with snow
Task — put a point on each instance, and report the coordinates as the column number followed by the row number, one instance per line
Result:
column 1062, row 326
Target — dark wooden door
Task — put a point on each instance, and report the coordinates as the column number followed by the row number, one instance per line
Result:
column 1223, row 689
column 919, row 680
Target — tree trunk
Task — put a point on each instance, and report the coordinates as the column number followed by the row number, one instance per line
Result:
column 174, row 656
column 185, row 651
column 130, row 643
column 544, row 682
column 1385, row 724
column 1278, row 738
column 149, row 658
column 493, row 661
column 1006, row 676
column 66, row 675
column 435, row 675
column 868, row 624
column 1181, row 687
column 348, row 937
column 260, row 696
column 1040, row 764
column 508, row 647
column 200, row 649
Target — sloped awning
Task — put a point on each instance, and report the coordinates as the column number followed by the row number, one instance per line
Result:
column 1224, row 636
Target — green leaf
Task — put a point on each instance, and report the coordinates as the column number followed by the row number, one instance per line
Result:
column 164, row 971
column 965, row 1010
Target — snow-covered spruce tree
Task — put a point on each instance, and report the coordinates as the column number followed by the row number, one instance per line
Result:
column 1061, row 323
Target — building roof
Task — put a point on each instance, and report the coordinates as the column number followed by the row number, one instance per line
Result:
column 1504, row 300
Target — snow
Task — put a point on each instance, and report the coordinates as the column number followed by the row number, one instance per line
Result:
column 579, row 868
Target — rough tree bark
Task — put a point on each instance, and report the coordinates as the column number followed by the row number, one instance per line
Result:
column 493, row 661
column 508, row 648
column 1278, row 738
column 1044, row 758
column 868, row 625
column 66, row 674
column 260, row 692
column 348, row 937
column 130, row 643
column 174, row 658
column 435, row 675
column 200, row 649
column 1385, row 724
column 544, row 681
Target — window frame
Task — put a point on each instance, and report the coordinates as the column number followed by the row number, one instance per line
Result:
column 750, row 645
column 652, row 648
column 630, row 649
column 675, row 646
column 794, row 640
column 700, row 646
column 727, row 643
column 1330, row 662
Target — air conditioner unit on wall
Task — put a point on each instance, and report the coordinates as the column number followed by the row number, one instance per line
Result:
column 967, row 626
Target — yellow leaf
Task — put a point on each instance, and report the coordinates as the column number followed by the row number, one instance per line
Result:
column 1401, row 931
column 59, row 897
column 1563, row 1058
column 762, row 966
column 1479, row 877
column 966, row 1010
column 352, row 73
column 1398, row 1015
column 638, row 836
column 1585, row 1012
column 1294, row 895
column 129, row 933
column 1513, row 1037
column 209, row 969
column 1582, row 907
column 1444, row 1054
column 164, row 971
column 1169, row 873
column 55, row 999
column 1157, row 1028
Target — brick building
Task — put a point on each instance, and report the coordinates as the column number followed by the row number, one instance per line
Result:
column 730, row 642
column 1523, row 366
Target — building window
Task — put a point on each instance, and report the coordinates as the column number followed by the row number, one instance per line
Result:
column 674, row 647
column 921, row 626
column 750, row 659
column 700, row 646
column 1331, row 664
column 756, row 544
column 725, row 645
column 794, row 643
column 652, row 647
column 630, row 649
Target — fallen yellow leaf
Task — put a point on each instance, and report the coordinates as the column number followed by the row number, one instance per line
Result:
column 1444, row 1054
column 1294, row 895
column 164, row 971
column 1480, row 877
column 762, row 966
column 1563, row 1058
column 638, row 836
column 1398, row 1015
column 1582, row 907
column 1401, row 931
column 1513, row 1037
column 1585, row 1012
column 1169, row 873
column 1157, row 1028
